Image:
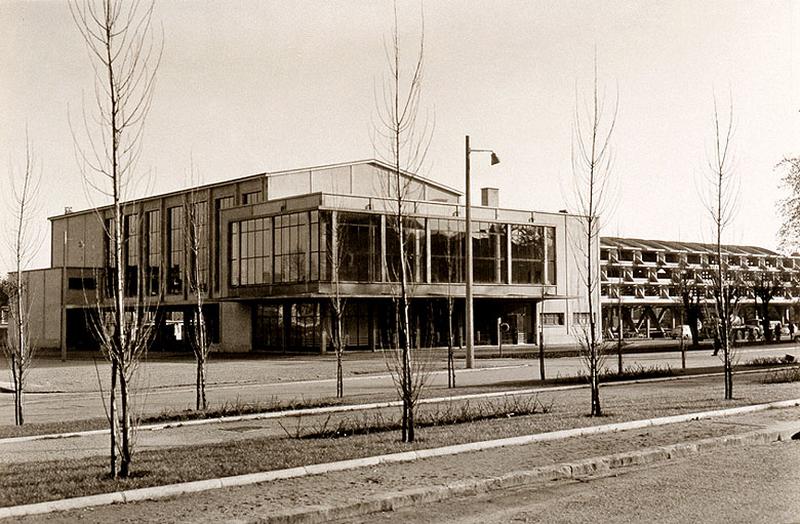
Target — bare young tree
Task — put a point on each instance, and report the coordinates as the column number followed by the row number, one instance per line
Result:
column 338, row 240
column 20, row 347
column 125, row 57
column 592, row 162
column 402, row 139
column 720, row 201
column 452, row 270
column 196, row 240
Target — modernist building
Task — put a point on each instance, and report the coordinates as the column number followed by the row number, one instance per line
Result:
column 268, row 246
column 642, row 281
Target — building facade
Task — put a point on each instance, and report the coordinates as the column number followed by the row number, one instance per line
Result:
column 643, row 282
column 269, row 244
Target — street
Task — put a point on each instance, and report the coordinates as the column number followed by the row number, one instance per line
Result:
column 727, row 485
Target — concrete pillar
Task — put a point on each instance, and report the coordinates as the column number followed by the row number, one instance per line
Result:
column 324, row 325
column 236, row 328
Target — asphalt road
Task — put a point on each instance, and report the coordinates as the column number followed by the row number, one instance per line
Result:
column 752, row 484
column 52, row 407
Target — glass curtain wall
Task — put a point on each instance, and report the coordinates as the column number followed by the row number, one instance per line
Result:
column 108, row 255
column 447, row 250
column 296, row 248
column 489, row 252
column 292, row 247
column 251, row 252
column 282, row 249
column 175, row 250
column 414, row 244
column 220, row 204
column 550, row 254
column 152, row 252
column 131, row 254
column 281, row 326
column 197, row 230
column 528, row 254
column 359, row 247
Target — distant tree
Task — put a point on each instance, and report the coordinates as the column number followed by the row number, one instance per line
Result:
column 690, row 301
column 789, row 232
column 720, row 202
column 592, row 177
column 764, row 289
column 125, row 58
column 20, row 346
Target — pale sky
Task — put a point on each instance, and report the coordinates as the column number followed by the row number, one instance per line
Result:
column 246, row 87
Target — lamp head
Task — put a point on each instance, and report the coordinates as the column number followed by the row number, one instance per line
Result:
column 495, row 159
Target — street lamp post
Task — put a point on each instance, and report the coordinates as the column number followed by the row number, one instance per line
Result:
column 470, row 346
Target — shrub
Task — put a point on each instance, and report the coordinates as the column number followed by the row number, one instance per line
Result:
column 781, row 376
column 451, row 413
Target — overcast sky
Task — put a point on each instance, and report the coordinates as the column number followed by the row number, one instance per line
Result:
column 247, row 87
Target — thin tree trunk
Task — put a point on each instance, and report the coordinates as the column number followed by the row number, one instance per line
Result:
column 200, row 389
column 112, row 417
column 339, row 375
column 125, row 463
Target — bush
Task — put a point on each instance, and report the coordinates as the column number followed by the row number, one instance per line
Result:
column 636, row 372
column 439, row 415
column 236, row 408
column 781, row 376
column 765, row 362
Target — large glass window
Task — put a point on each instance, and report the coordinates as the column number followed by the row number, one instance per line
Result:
column 219, row 205
column 276, row 250
column 533, row 248
column 357, row 324
column 152, row 252
column 292, row 247
column 175, row 250
column 197, row 237
column 489, row 252
column 550, row 251
column 268, row 326
column 447, row 250
column 304, row 326
column 414, row 245
column 359, row 247
column 108, row 255
column 527, row 254
column 251, row 252
column 131, row 254
column 251, row 198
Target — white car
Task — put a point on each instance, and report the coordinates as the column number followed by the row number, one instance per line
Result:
column 683, row 331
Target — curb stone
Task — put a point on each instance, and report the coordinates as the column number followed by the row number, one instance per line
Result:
column 566, row 470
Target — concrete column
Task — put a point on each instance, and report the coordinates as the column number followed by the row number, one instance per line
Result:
column 325, row 326
column 384, row 270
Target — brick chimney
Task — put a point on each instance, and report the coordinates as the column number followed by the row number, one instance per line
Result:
column 490, row 197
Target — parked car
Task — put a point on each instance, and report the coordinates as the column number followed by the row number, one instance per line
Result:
column 684, row 331
column 750, row 330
